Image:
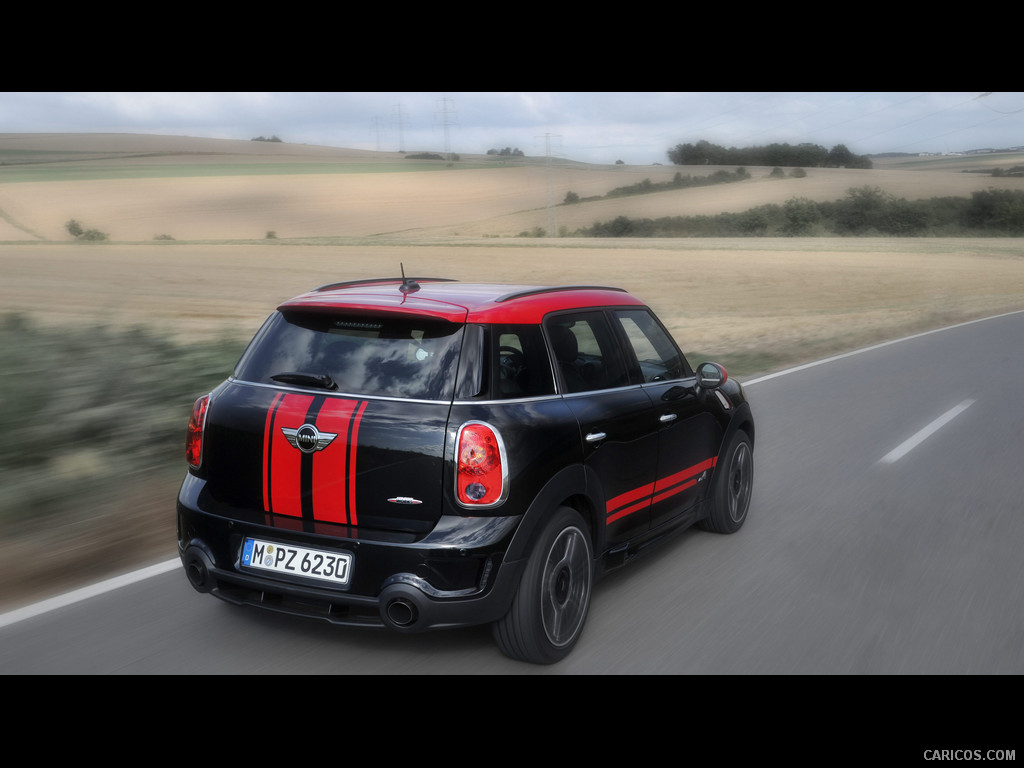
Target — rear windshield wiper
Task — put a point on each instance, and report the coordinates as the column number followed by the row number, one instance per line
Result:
column 321, row 380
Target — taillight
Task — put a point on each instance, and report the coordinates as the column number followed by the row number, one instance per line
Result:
column 194, row 438
column 481, row 477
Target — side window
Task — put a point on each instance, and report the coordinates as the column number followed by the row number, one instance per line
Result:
column 520, row 362
column 585, row 352
column 656, row 353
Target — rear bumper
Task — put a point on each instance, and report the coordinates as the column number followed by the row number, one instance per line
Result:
column 456, row 576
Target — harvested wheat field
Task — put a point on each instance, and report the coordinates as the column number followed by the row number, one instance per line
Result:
column 754, row 301
column 204, row 238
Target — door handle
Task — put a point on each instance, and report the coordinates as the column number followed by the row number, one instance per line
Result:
column 668, row 417
column 595, row 437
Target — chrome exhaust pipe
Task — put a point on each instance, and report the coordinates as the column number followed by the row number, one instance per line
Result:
column 401, row 613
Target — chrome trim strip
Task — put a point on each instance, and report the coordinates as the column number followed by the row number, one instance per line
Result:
column 500, row 401
column 493, row 401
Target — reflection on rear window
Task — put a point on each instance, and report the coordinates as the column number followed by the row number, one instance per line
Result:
column 383, row 356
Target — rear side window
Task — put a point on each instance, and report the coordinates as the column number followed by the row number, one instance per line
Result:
column 520, row 362
column 388, row 356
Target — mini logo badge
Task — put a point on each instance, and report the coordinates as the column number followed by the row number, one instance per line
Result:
column 404, row 500
column 308, row 438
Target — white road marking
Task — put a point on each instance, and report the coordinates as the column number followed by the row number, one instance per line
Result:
column 69, row 598
column 844, row 355
column 916, row 439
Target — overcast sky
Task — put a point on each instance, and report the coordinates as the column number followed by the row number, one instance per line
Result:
column 636, row 128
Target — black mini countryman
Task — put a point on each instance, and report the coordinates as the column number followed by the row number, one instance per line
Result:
column 422, row 453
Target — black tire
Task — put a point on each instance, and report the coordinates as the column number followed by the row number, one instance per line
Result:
column 734, row 480
column 551, row 603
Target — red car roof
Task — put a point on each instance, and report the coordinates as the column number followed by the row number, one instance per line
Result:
column 461, row 302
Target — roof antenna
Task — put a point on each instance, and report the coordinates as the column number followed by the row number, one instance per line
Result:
column 408, row 285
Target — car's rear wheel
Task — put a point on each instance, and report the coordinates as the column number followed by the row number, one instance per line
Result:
column 551, row 604
column 734, row 480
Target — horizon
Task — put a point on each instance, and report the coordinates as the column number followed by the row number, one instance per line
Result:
column 636, row 128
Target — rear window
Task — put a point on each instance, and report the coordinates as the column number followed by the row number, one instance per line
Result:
column 393, row 356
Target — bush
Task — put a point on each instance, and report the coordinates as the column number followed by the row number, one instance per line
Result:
column 535, row 232
column 76, row 231
column 801, row 214
column 1000, row 209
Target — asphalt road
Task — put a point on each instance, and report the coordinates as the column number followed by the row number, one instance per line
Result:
column 884, row 537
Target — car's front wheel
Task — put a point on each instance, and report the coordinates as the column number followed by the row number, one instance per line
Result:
column 551, row 604
column 734, row 480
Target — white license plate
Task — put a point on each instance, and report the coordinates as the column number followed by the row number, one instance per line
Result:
column 333, row 567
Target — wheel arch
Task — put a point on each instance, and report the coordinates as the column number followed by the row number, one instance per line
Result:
column 742, row 421
column 567, row 488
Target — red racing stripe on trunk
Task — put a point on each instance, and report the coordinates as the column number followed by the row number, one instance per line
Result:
column 285, row 462
column 330, row 465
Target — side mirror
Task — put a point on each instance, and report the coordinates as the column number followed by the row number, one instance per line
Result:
column 711, row 375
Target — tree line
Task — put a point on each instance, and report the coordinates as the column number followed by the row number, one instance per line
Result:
column 805, row 155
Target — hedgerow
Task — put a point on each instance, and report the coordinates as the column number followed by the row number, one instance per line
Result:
column 865, row 211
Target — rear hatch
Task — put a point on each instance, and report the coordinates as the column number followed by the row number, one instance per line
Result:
column 335, row 421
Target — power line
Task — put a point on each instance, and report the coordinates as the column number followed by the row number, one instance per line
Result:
column 552, row 221
column 446, row 111
column 400, row 121
column 376, row 132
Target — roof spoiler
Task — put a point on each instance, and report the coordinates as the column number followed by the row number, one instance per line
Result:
column 400, row 281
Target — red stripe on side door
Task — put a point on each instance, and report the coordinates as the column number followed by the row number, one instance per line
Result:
column 680, row 481
column 686, row 474
column 330, row 464
column 285, row 462
column 622, row 505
